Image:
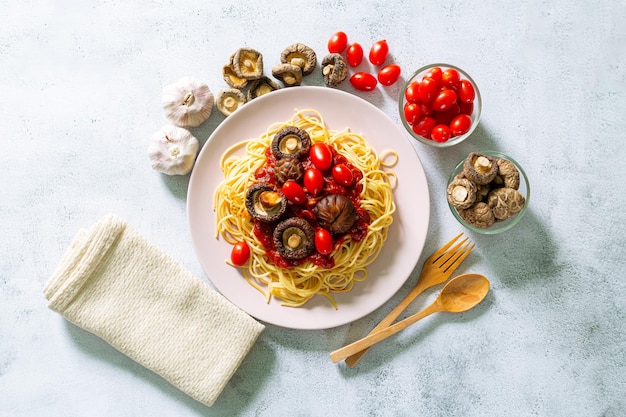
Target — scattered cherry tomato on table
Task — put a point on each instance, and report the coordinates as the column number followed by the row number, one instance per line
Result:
column 354, row 54
column 343, row 175
column 293, row 192
column 240, row 253
column 379, row 52
column 389, row 74
column 363, row 81
column 321, row 155
column 337, row 43
column 323, row 241
column 313, row 180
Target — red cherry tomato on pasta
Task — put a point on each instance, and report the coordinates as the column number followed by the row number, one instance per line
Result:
column 354, row 54
column 240, row 253
column 412, row 112
column 466, row 92
column 440, row 133
column 343, row 175
column 450, row 78
column 389, row 74
column 444, row 100
column 363, row 81
column 379, row 52
column 321, row 155
column 323, row 241
column 313, row 180
column 337, row 43
column 460, row 124
column 294, row 192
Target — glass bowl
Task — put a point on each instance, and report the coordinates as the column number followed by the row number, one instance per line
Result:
column 498, row 226
column 416, row 77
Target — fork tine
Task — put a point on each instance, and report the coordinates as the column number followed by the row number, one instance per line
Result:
column 449, row 269
column 441, row 251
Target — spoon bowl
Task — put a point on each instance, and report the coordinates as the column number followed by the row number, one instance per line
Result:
column 458, row 295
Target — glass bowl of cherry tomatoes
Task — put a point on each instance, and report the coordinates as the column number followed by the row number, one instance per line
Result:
column 440, row 105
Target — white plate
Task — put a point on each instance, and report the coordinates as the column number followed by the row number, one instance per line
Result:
column 406, row 237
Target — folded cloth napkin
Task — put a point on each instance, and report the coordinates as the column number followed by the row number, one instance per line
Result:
column 115, row 284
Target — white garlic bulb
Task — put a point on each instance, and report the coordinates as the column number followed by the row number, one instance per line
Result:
column 173, row 150
column 187, row 102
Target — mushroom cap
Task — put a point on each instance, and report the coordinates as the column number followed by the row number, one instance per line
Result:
column 300, row 55
column 294, row 238
column 263, row 85
column 291, row 141
column 288, row 168
column 290, row 75
column 248, row 63
column 335, row 213
column 228, row 100
column 334, row 69
column 479, row 215
column 479, row 168
column 509, row 173
column 505, row 202
column 265, row 202
column 187, row 102
column 231, row 77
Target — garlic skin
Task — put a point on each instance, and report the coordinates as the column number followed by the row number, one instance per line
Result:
column 187, row 102
column 173, row 150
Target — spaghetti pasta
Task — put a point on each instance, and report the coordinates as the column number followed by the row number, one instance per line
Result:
column 295, row 285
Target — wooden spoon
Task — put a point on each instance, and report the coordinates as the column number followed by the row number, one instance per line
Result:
column 459, row 294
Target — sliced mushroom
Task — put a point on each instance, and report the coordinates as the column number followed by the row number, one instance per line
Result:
column 479, row 168
column 335, row 213
column 461, row 193
column 288, row 168
column 248, row 63
column 261, row 86
column 479, row 215
column 508, row 172
column 505, row 202
column 231, row 78
column 291, row 141
column 300, row 55
column 228, row 100
column 265, row 202
column 334, row 69
column 290, row 75
column 294, row 238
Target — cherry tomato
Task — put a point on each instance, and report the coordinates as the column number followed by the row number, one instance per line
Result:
column 354, row 55
column 294, row 192
column 427, row 109
column 240, row 253
column 411, row 92
column 466, row 92
column 424, row 126
column 321, row 155
column 467, row 108
column 426, row 89
column 412, row 112
column 313, row 180
column 450, row 78
column 343, row 175
column 444, row 100
column 460, row 125
column 323, row 241
column 440, row 133
column 337, row 43
column 446, row 116
column 363, row 81
column 436, row 74
column 389, row 74
column 379, row 52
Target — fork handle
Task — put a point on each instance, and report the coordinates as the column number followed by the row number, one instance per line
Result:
column 386, row 322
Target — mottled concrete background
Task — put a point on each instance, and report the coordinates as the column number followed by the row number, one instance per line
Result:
column 80, row 90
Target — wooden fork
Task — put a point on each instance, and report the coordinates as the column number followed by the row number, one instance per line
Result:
column 436, row 270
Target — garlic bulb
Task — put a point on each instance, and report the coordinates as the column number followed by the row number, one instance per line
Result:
column 187, row 102
column 173, row 150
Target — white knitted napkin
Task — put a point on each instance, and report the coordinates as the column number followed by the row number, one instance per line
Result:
column 115, row 284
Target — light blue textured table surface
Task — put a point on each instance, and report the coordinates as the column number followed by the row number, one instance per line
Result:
column 80, row 90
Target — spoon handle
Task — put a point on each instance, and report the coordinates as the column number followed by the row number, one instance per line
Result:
column 382, row 334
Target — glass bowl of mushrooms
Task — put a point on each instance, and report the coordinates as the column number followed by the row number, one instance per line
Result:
column 488, row 192
column 440, row 105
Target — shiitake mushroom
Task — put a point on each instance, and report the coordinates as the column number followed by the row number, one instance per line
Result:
column 291, row 141
column 265, row 202
column 335, row 213
column 288, row 168
column 294, row 238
